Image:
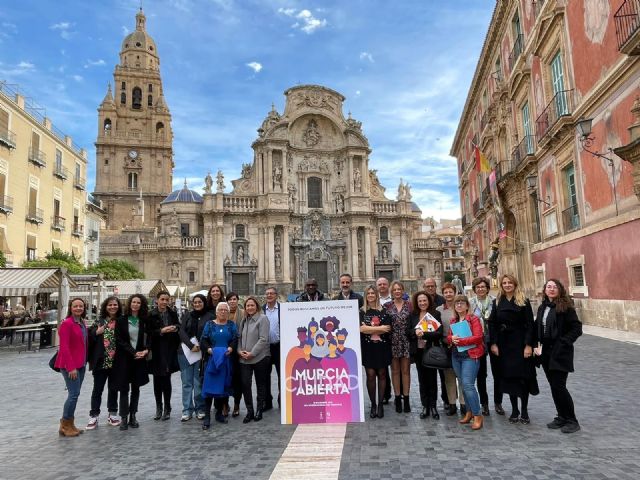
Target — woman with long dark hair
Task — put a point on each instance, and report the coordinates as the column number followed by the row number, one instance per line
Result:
column 375, row 326
column 71, row 360
column 511, row 334
column 557, row 328
column 424, row 334
column 102, row 352
column 163, row 326
column 193, row 323
column 131, row 371
column 215, row 296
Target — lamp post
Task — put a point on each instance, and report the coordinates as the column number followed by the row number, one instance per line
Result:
column 532, row 186
column 583, row 127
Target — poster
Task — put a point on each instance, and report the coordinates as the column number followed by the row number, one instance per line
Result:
column 320, row 359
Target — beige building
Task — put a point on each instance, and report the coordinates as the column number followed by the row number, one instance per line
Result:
column 561, row 200
column 306, row 205
column 42, row 183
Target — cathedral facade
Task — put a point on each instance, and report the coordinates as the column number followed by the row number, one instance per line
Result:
column 306, row 205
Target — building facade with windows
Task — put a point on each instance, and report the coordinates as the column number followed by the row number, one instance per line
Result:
column 42, row 183
column 306, row 205
column 563, row 212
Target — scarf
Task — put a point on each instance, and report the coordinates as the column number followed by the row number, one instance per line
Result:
column 548, row 328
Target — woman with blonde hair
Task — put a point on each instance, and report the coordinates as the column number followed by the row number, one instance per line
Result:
column 511, row 335
column 375, row 326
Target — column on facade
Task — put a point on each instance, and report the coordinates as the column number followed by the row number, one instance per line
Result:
column 219, row 254
column 354, row 251
column 261, row 276
column 271, row 278
column 296, row 266
column 269, row 171
column 368, row 257
column 404, row 256
column 285, row 255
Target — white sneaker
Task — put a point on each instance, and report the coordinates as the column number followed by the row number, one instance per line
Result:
column 185, row 418
column 92, row 424
column 200, row 415
column 114, row 420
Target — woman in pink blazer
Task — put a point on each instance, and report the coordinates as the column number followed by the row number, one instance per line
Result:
column 71, row 360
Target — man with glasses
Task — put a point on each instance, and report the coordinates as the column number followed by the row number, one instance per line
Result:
column 311, row 292
column 429, row 286
column 272, row 311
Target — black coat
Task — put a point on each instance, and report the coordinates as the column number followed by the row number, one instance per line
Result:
column 95, row 346
column 432, row 338
column 164, row 346
column 126, row 368
column 192, row 325
column 568, row 329
column 511, row 328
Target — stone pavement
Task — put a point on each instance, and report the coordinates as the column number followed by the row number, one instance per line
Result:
column 400, row 446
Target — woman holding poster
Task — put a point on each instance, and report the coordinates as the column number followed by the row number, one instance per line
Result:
column 375, row 326
column 467, row 347
column 424, row 331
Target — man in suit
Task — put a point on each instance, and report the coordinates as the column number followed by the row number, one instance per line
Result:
column 345, row 290
column 272, row 310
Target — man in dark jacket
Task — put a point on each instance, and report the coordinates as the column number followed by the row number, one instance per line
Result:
column 272, row 310
column 311, row 292
column 345, row 290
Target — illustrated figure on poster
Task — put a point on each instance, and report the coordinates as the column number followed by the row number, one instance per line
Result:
column 329, row 325
column 295, row 354
column 351, row 359
column 320, row 348
column 304, row 367
column 338, row 405
column 313, row 329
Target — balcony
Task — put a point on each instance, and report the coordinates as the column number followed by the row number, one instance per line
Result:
column 78, row 230
column 57, row 223
column 93, row 235
column 8, row 139
column 627, row 21
column 37, row 157
column 35, row 215
column 561, row 105
column 79, row 183
column 571, row 219
column 60, row 172
column 524, row 149
column 6, row 204
column 192, row 242
column 516, row 51
column 505, row 167
column 476, row 207
column 484, row 120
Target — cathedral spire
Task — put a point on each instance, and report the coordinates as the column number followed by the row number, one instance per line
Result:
column 140, row 20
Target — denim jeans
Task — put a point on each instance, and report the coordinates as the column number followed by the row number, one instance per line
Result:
column 73, row 392
column 191, row 386
column 100, row 378
column 466, row 369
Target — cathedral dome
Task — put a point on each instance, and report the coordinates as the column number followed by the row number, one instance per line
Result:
column 139, row 39
column 184, row 195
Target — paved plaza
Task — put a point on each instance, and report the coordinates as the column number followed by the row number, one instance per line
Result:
column 400, row 446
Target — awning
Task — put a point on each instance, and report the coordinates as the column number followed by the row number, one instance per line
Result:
column 174, row 290
column 24, row 282
column 125, row 288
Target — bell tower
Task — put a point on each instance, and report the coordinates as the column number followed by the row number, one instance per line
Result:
column 134, row 147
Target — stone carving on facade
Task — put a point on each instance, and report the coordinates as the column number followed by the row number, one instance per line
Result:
column 357, row 180
column 316, row 227
column 208, row 182
column 220, row 182
column 227, row 260
column 303, row 166
column 278, row 201
column 339, row 203
column 240, row 255
column 338, row 162
column 291, row 190
column 277, row 174
column 360, row 203
column 311, row 136
column 277, row 250
column 375, row 187
column 175, row 270
column 247, row 170
column 315, row 99
column 289, row 161
column 174, row 224
column 404, row 192
column 353, row 123
column 273, row 117
column 296, row 233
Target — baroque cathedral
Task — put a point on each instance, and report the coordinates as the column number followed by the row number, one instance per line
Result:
column 307, row 205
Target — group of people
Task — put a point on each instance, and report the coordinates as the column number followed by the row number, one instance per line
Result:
column 452, row 335
column 219, row 348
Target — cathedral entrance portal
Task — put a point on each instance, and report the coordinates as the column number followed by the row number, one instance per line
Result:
column 318, row 270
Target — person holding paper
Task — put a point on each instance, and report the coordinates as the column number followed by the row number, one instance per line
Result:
column 189, row 358
column 219, row 341
column 467, row 347
column 557, row 329
column 130, row 364
column 511, row 331
column 425, row 330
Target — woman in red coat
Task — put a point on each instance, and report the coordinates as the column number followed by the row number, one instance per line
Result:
column 71, row 360
column 465, row 360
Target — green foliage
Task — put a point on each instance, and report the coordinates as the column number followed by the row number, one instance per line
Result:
column 56, row 259
column 111, row 269
column 116, row 270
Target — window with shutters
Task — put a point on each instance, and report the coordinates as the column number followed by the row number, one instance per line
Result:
column 314, row 192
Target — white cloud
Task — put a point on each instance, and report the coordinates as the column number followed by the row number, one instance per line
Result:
column 305, row 20
column 125, row 30
column 357, row 93
column 366, row 56
column 77, row 78
column 94, row 63
column 255, row 66
column 26, row 65
column 64, row 28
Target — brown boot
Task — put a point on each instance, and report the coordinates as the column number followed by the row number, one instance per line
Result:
column 467, row 417
column 73, row 426
column 477, row 422
column 65, row 428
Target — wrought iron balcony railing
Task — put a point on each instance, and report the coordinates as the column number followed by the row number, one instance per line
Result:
column 525, row 148
column 516, row 51
column 561, row 105
column 627, row 21
column 57, row 223
column 6, row 204
column 37, row 157
column 8, row 138
column 61, row 172
column 79, row 182
column 570, row 219
column 35, row 215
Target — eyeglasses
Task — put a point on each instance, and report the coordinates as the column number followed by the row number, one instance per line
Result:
column 311, row 285
column 461, row 303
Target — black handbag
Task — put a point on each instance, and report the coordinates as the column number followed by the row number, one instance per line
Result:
column 52, row 363
column 436, row 357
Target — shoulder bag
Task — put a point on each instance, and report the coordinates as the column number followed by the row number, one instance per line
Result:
column 436, row 356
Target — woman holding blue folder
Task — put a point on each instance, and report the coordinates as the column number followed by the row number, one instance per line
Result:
column 467, row 341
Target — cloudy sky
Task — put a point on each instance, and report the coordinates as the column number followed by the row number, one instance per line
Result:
column 404, row 67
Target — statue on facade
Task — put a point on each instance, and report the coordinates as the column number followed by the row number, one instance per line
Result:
column 385, row 253
column 208, row 182
column 292, row 195
column 311, row 135
column 227, row 260
column 357, row 179
column 240, row 255
column 220, row 182
column 174, row 224
column 246, row 170
column 175, row 270
column 277, row 175
column 339, row 203
column 458, row 284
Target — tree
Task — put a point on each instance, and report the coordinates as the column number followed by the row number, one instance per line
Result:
column 57, row 259
column 116, row 270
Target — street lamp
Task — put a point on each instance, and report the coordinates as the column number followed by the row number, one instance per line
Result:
column 532, row 186
column 583, row 127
